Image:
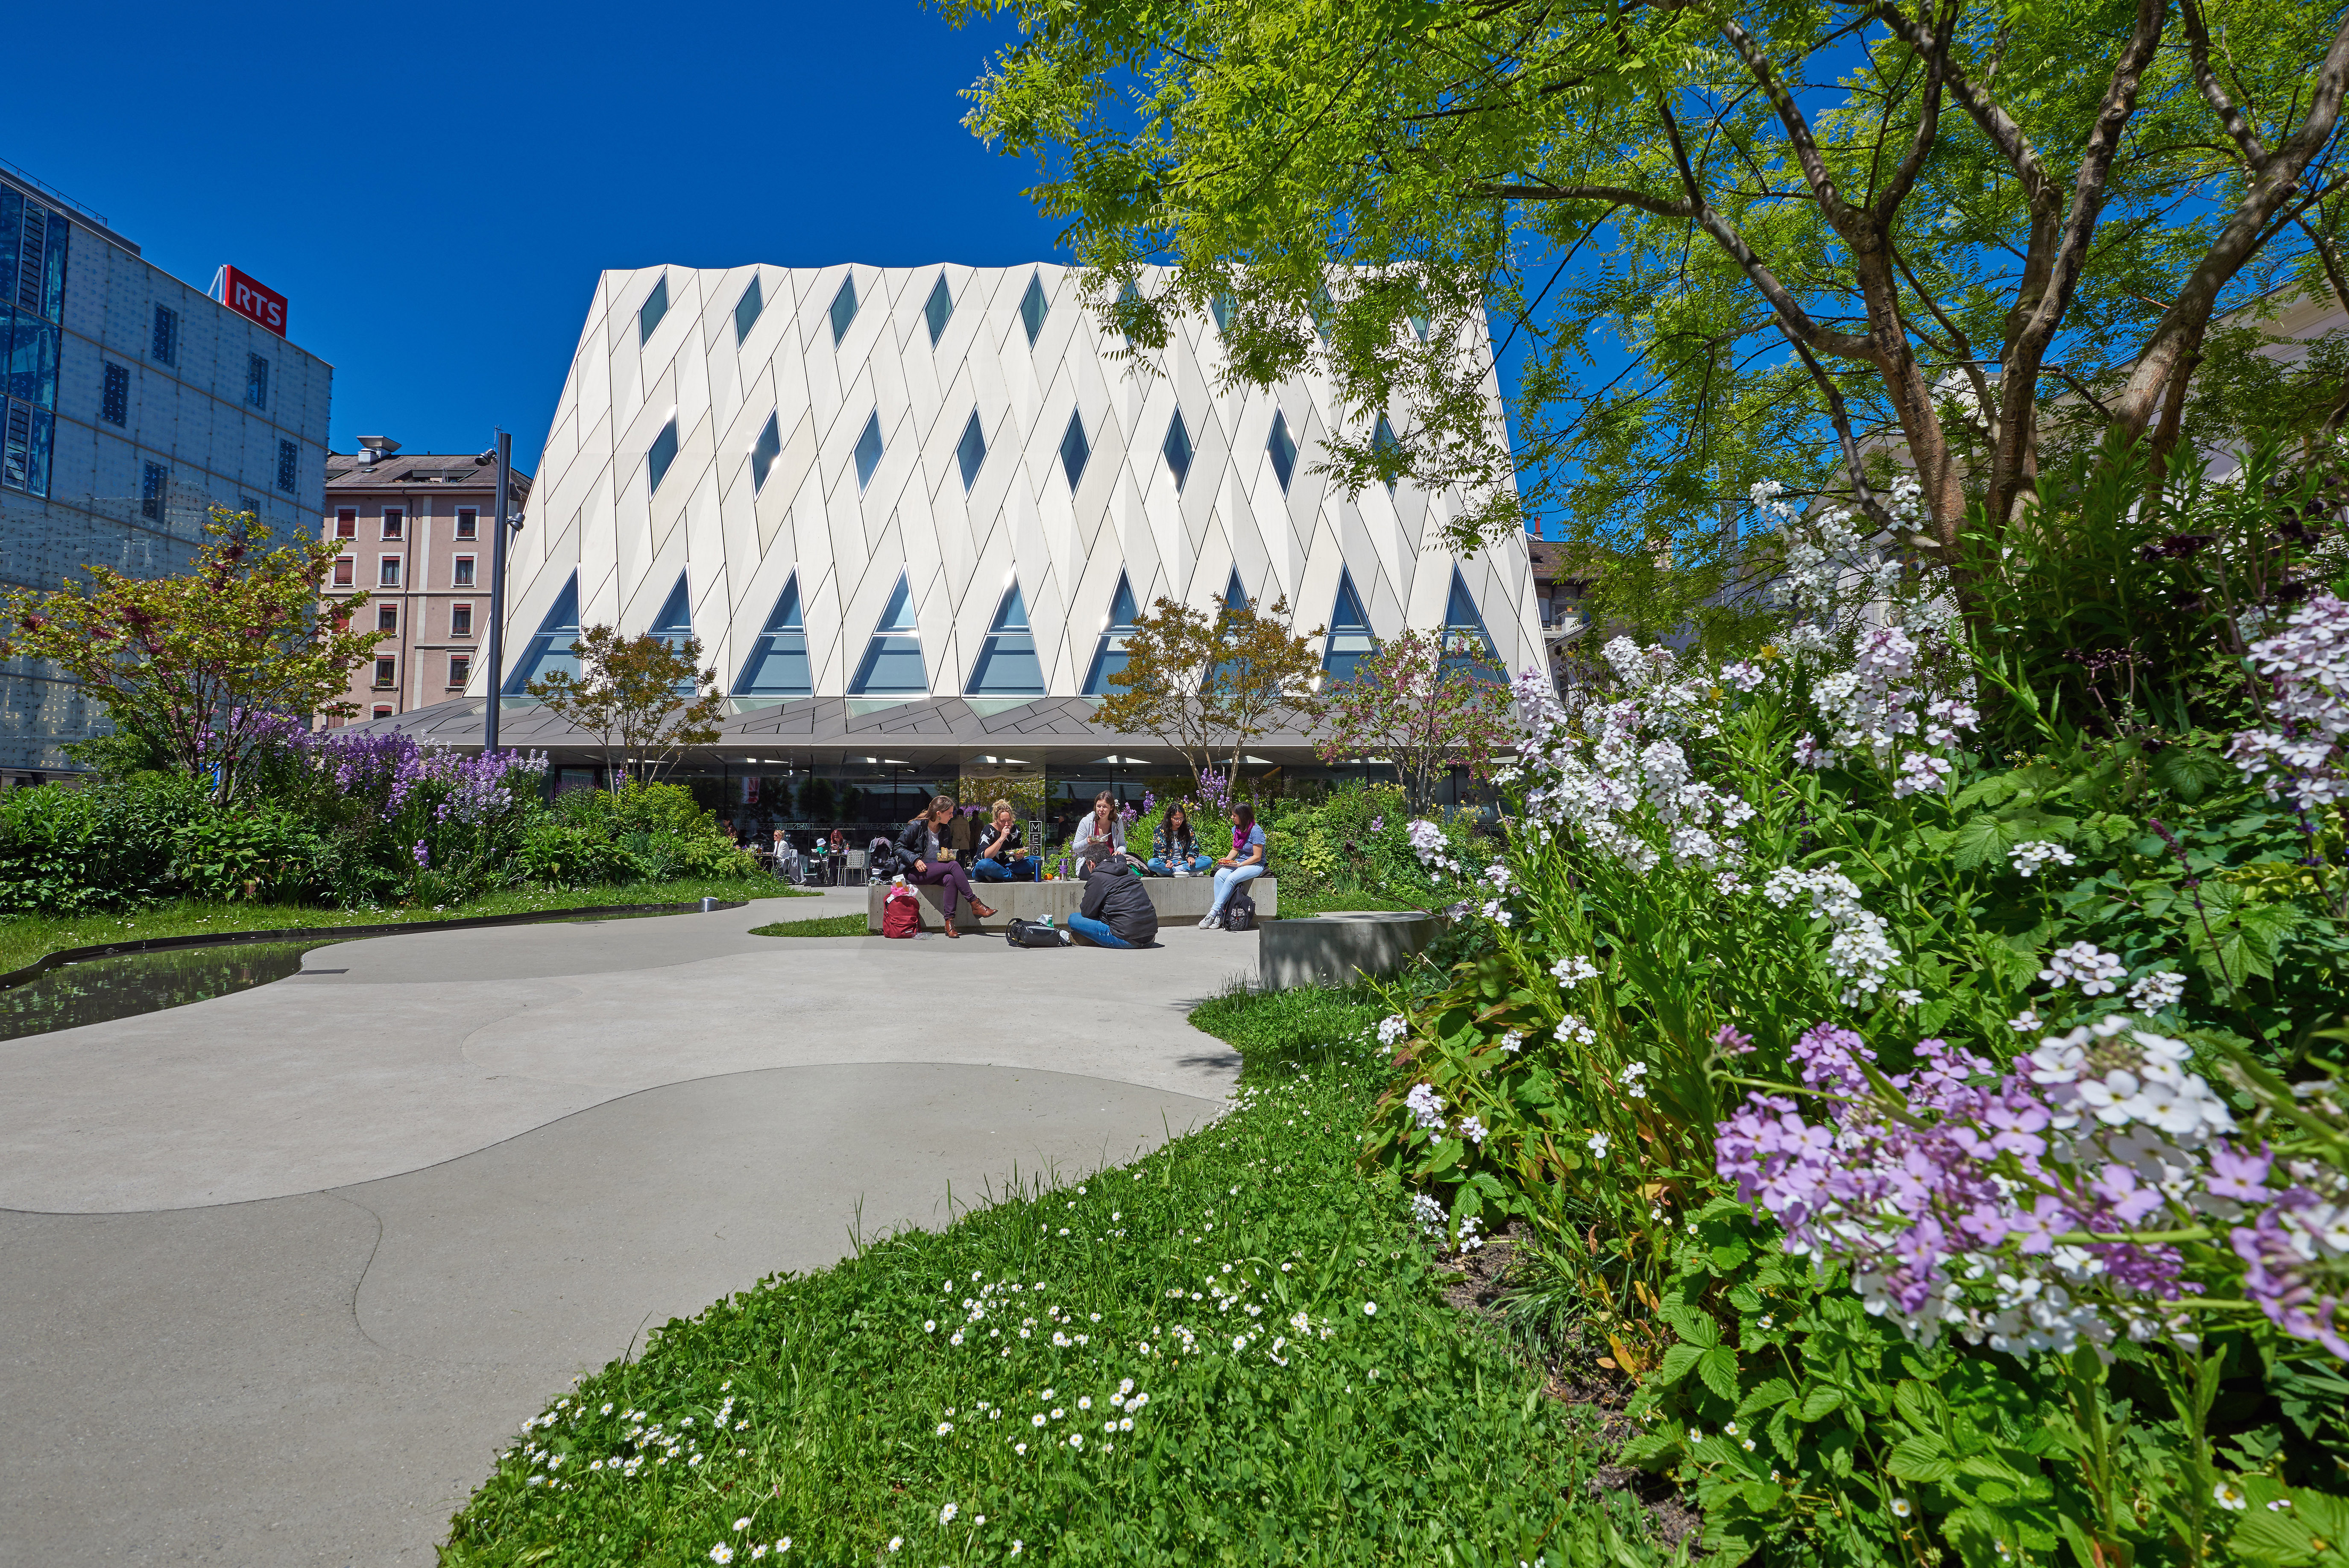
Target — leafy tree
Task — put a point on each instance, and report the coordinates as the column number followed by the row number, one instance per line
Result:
column 1736, row 241
column 1423, row 706
column 207, row 669
column 1204, row 685
column 641, row 697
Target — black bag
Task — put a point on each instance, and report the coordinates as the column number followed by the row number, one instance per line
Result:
column 1031, row 934
column 1239, row 915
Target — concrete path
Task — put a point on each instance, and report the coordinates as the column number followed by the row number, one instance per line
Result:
column 280, row 1271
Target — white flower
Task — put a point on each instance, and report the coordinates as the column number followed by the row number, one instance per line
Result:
column 743, row 1523
column 946, row 1515
column 1370, row 1309
column 1573, row 969
column 1393, row 1028
column 896, row 1542
column 2029, row 855
column 2096, row 969
column 2152, row 992
column 721, row 1553
column 945, row 1426
column 1901, row 1509
column 1573, row 1031
column 2024, row 1022
column 2229, row 1496
column 1599, row 1145
column 1426, row 1107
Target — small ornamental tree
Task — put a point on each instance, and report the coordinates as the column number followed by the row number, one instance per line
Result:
column 208, row 668
column 1165, row 688
column 641, row 697
column 1424, row 707
column 1206, row 686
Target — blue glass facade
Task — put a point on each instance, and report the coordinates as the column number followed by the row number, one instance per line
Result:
column 33, row 242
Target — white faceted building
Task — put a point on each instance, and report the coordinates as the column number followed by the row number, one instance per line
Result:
column 870, row 487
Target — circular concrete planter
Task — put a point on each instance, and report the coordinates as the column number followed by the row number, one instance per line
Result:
column 1340, row 949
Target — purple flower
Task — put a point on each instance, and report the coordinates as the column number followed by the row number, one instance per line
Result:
column 423, row 854
column 2239, row 1176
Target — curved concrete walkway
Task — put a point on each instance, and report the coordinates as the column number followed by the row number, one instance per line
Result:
column 284, row 1270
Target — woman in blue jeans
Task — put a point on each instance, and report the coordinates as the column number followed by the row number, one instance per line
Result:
column 1246, row 863
column 1174, row 852
column 1002, row 856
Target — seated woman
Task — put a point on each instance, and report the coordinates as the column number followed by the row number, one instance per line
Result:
column 1246, row 863
column 1173, row 850
column 1116, row 910
column 1002, row 851
column 1103, row 825
column 935, row 866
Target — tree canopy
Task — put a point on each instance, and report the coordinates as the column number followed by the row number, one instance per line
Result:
column 1736, row 241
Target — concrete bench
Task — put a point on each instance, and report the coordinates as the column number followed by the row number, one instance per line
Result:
column 1180, row 899
column 1340, row 949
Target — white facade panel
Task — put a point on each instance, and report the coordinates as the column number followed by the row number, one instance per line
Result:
column 847, row 536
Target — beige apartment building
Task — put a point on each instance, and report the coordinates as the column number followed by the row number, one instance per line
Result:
column 415, row 532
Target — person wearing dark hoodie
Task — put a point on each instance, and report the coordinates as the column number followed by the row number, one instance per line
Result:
column 1116, row 910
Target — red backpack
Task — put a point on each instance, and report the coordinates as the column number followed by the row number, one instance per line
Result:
column 901, row 912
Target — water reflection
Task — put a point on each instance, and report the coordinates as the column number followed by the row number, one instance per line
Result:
column 98, row 990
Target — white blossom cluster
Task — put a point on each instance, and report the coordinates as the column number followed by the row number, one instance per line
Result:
column 2098, row 973
column 1572, row 970
column 2153, row 992
column 2032, row 853
column 2308, row 662
column 1859, row 953
column 1426, row 1107
column 1434, row 851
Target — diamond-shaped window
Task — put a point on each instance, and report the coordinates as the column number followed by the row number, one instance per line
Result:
column 1282, row 448
column 868, row 449
column 939, row 310
column 1382, row 441
column 747, row 310
column 1177, row 448
column 1350, row 641
column 843, row 308
column 763, row 455
column 662, row 454
column 892, row 665
column 777, row 665
column 971, row 450
column 1109, row 654
column 1220, row 307
column 1033, row 307
column 1007, row 665
column 656, row 305
column 1468, row 646
column 1075, row 449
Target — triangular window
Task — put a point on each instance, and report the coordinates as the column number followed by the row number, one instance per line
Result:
column 1178, row 450
column 843, row 308
column 1465, row 639
column 675, row 623
column 1032, row 307
column 747, row 310
column 763, row 455
column 777, row 665
column 1419, row 328
column 550, row 648
column 1282, row 448
column 1075, row 449
column 1236, row 594
column 939, row 310
column 1220, row 307
column 971, row 450
column 892, row 665
column 868, row 450
column 1007, row 666
column 1350, row 641
column 1109, row 656
column 1382, row 441
column 656, row 305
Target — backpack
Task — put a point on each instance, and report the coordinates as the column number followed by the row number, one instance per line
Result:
column 1033, row 934
column 1239, row 915
column 901, row 912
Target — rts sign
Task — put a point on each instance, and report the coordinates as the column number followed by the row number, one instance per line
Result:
column 246, row 297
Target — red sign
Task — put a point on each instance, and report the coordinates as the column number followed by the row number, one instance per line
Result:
column 246, row 297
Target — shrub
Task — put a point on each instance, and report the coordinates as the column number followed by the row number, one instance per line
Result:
column 70, row 850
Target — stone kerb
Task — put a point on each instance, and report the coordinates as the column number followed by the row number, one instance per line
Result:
column 1336, row 949
column 1177, row 898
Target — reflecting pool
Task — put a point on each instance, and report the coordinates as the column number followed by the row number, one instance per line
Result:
column 98, row 990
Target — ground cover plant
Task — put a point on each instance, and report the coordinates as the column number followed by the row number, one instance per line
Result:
column 824, row 925
column 1911, row 1049
column 1223, row 1352
column 27, row 938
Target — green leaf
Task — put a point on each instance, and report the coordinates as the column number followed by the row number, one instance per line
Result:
column 1718, row 1367
column 1820, row 1402
column 1773, row 1391
column 1921, row 1458
column 1677, row 1359
column 1694, row 1325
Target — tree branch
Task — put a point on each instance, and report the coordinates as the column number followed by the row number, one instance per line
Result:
column 2198, row 47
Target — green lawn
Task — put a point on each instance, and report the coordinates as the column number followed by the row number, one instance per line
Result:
column 829, row 925
column 25, row 938
column 1230, row 1351
column 1299, row 905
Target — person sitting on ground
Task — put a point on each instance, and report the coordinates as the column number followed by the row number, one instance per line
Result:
column 1103, row 825
column 1002, row 850
column 1174, row 852
column 1246, row 863
column 934, row 865
column 1115, row 910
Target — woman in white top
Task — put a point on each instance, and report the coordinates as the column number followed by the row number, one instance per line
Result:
column 1103, row 825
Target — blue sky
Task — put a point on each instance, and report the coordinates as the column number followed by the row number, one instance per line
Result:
column 435, row 188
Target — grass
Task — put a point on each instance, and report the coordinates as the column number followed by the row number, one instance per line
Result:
column 1300, row 906
column 1231, row 1351
column 27, row 938
column 828, row 926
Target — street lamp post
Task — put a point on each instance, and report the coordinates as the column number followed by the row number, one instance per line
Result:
column 505, row 525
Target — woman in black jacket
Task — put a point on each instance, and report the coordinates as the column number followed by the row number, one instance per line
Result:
column 933, row 863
